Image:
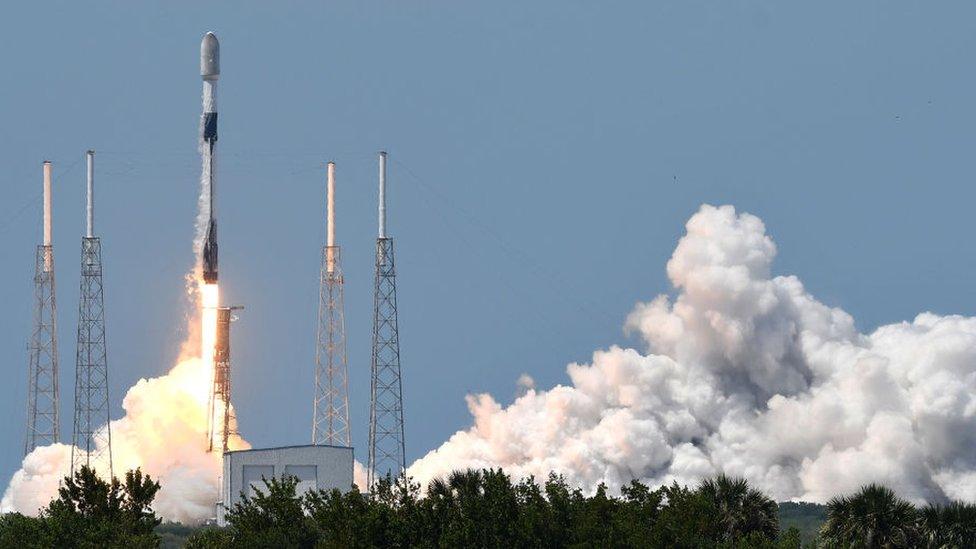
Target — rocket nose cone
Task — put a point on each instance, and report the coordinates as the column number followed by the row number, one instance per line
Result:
column 210, row 57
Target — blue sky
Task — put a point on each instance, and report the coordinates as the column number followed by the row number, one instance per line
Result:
column 544, row 158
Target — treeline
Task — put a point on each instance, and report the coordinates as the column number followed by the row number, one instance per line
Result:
column 89, row 512
column 487, row 509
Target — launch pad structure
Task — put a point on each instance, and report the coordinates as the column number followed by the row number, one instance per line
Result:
column 221, row 417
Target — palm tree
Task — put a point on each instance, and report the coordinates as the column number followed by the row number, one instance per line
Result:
column 952, row 525
column 874, row 517
column 466, row 483
column 740, row 510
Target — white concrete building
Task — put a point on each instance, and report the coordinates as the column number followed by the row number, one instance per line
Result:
column 316, row 467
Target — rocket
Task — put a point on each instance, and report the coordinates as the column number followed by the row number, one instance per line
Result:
column 210, row 72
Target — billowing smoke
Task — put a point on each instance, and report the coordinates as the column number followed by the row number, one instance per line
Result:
column 163, row 431
column 748, row 374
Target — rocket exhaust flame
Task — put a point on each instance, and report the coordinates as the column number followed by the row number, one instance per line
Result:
column 209, row 301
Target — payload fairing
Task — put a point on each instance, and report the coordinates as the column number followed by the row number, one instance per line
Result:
column 210, row 72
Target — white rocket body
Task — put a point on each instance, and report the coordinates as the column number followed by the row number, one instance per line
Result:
column 210, row 72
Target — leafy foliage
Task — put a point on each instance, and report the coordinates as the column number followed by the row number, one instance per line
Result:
column 487, row 509
column 805, row 517
column 953, row 525
column 741, row 511
column 874, row 517
column 90, row 512
column 173, row 535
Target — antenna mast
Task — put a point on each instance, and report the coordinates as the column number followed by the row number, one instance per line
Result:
column 330, row 408
column 92, row 433
column 386, row 440
column 43, row 395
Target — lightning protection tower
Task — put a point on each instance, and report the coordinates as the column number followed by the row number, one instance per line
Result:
column 43, row 395
column 92, row 435
column 222, row 422
column 330, row 408
column 386, row 443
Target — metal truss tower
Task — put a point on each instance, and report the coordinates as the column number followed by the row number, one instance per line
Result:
column 43, row 396
column 92, row 435
column 330, row 408
column 386, row 441
column 222, row 422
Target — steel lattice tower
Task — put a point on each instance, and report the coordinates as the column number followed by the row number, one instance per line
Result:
column 330, row 408
column 92, row 435
column 43, row 396
column 386, row 441
column 220, row 393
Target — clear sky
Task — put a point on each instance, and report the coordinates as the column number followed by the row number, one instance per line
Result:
column 544, row 158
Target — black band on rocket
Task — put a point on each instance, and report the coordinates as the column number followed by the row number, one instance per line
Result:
column 209, row 126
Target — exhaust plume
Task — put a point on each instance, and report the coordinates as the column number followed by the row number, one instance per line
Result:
column 163, row 431
column 745, row 373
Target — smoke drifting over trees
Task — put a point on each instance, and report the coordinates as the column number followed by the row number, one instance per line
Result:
column 745, row 373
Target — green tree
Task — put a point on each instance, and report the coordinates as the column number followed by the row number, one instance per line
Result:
column 952, row 525
column 686, row 520
column 273, row 517
column 485, row 509
column 338, row 519
column 90, row 512
column 498, row 508
column 637, row 514
column 790, row 539
column 873, row 517
column 740, row 510
column 139, row 492
column 471, row 508
column 393, row 514
column 17, row 530
column 210, row 538
column 535, row 524
column 563, row 503
column 593, row 524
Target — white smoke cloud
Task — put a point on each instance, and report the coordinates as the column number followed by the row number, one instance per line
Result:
column 163, row 431
column 748, row 374
column 359, row 475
